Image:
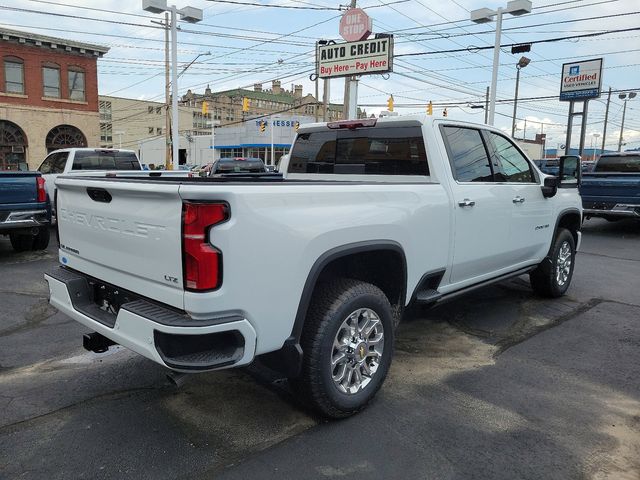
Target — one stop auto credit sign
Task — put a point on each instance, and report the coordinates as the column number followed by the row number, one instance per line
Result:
column 355, row 58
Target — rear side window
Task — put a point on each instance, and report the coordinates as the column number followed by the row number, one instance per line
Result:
column 467, row 154
column 240, row 166
column 618, row 163
column 369, row 151
column 105, row 160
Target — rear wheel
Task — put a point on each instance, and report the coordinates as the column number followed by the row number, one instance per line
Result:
column 347, row 345
column 21, row 242
column 553, row 276
column 41, row 240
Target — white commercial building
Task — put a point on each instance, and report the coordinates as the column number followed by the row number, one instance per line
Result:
column 243, row 140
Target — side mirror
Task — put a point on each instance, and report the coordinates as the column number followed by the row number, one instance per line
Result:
column 570, row 171
column 550, row 187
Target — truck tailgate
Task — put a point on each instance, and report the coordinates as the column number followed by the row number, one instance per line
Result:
column 618, row 187
column 123, row 234
column 17, row 188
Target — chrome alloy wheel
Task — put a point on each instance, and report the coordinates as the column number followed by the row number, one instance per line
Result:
column 357, row 351
column 563, row 264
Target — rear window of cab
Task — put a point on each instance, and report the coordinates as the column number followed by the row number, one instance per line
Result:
column 375, row 151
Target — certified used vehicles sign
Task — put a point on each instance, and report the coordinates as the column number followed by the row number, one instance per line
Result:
column 355, row 58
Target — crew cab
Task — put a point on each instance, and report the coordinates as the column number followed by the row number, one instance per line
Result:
column 25, row 211
column 76, row 160
column 373, row 215
column 612, row 189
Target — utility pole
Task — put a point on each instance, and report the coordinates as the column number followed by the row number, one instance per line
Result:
column 167, row 95
column 325, row 100
column 486, row 106
column 347, row 86
column 606, row 119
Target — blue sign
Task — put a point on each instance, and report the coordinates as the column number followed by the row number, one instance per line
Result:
column 574, row 70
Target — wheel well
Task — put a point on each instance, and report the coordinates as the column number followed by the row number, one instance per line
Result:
column 571, row 221
column 383, row 268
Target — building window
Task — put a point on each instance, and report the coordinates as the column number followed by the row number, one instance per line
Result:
column 150, row 109
column 76, row 84
column 201, row 120
column 151, row 130
column 217, row 113
column 158, row 110
column 159, row 131
column 51, row 81
column 106, row 135
column 64, row 136
column 13, row 75
column 105, row 111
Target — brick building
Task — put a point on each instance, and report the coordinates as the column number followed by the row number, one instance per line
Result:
column 48, row 96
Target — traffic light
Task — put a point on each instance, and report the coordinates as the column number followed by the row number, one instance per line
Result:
column 263, row 126
column 245, row 104
column 205, row 108
column 296, row 126
column 390, row 103
column 445, row 113
column 430, row 108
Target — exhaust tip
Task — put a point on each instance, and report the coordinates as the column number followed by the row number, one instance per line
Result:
column 177, row 379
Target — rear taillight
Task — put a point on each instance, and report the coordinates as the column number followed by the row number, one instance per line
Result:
column 202, row 261
column 42, row 192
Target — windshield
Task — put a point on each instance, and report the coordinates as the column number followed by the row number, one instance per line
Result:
column 105, row 160
column 618, row 163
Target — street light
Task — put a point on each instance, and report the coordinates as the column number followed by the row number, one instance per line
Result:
column 188, row 14
column 594, row 140
column 485, row 15
column 625, row 97
column 523, row 62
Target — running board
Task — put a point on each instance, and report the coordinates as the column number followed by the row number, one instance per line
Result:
column 453, row 295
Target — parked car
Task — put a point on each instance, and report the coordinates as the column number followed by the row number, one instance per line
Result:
column 373, row 215
column 75, row 160
column 238, row 165
column 25, row 210
column 612, row 189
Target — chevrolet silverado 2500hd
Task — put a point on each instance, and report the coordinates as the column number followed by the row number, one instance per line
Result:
column 373, row 215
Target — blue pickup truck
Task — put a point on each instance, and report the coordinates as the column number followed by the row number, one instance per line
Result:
column 25, row 210
column 612, row 189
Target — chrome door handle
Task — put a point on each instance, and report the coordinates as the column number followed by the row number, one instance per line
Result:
column 466, row 203
column 518, row 199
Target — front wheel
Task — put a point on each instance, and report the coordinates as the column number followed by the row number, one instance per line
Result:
column 553, row 276
column 347, row 344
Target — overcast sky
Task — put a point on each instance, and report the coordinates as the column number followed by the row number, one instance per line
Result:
column 256, row 44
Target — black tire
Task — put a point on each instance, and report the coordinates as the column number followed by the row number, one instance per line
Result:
column 21, row 242
column 544, row 279
column 41, row 240
column 331, row 305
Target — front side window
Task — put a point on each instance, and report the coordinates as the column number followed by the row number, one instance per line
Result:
column 509, row 164
column 76, row 85
column 13, row 75
column 51, row 81
column 370, row 151
column 467, row 154
column 54, row 163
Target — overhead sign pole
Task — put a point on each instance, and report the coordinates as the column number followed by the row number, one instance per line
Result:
column 355, row 25
column 581, row 81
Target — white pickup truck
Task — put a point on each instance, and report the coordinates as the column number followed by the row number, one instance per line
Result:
column 312, row 272
column 80, row 160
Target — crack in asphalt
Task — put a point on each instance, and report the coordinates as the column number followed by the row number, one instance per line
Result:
column 10, row 427
column 609, row 256
column 506, row 343
column 37, row 314
column 27, row 294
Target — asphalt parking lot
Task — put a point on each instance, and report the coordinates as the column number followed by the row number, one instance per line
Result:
column 501, row 384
